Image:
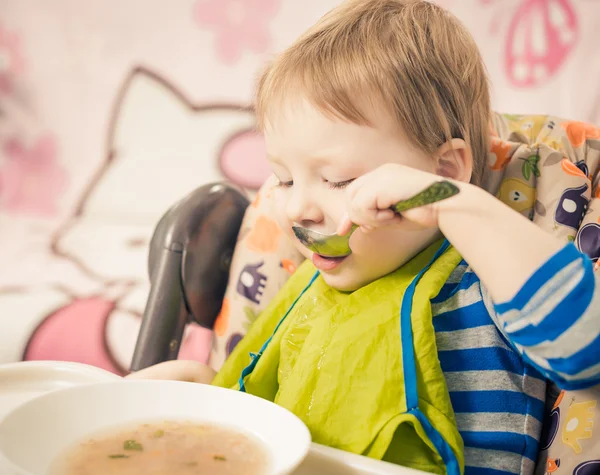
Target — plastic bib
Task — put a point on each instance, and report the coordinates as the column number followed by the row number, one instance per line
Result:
column 361, row 368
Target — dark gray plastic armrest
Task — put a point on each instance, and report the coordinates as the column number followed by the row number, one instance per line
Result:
column 188, row 263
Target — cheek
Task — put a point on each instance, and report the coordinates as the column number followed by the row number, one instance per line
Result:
column 281, row 217
column 373, row 243
column 279, row 207
column 286, row 226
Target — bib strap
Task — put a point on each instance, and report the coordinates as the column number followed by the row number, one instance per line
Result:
column 410, row 371
column 254, row 357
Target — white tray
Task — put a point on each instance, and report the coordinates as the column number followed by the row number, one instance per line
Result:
column 20, row 382
column 328, row 461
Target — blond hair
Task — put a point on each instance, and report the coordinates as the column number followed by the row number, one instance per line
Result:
column 410, row 56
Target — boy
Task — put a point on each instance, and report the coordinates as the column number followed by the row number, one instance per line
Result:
column 374, row 103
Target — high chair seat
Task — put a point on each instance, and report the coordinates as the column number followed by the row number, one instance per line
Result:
column 543, row 167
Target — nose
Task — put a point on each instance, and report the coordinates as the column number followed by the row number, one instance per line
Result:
column 302, row 207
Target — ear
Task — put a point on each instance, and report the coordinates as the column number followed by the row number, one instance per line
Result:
column 454, row 160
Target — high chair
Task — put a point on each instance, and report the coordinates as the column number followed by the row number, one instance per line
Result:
column 188, row 263
column 543, row 167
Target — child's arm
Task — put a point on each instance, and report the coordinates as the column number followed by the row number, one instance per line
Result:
column 178, row 370
column 554, row 320
column 495, row 240
column 546, row 288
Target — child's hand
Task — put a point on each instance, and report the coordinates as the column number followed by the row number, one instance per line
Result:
column 372, row 195
column 177, row 370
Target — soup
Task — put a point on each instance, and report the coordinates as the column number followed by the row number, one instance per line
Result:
column 165, row 448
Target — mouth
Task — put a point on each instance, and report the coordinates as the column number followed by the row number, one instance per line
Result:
column 325, row 264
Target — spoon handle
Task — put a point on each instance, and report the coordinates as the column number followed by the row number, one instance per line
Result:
column 438, row 191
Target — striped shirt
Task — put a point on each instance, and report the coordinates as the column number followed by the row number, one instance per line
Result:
column 497, row 358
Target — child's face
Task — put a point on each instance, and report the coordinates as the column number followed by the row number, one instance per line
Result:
column 314, row 157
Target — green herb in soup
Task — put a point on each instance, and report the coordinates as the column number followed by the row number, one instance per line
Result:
column 166, row 448
column 132, row 445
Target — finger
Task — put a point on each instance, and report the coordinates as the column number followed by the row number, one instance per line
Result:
column 426, row 216
column 382, row 218
column 363, row 210
column 356, row 185
column 384, row 215
column 345, row 225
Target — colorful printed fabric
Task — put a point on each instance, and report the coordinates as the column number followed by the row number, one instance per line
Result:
column 547, row 169
column 570, row 443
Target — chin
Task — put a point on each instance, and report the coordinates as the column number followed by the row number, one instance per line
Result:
column 343, row 282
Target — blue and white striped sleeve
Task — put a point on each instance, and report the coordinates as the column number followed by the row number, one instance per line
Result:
column 554, row 320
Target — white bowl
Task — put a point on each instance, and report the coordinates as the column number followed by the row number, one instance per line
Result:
column 35, row 433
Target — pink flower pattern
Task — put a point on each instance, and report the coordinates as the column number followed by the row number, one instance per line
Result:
column 237, row 24
column 31, row 180
column 11, row 60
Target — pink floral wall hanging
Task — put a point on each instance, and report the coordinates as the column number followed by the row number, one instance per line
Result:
column 237, row 25
column 12, row 62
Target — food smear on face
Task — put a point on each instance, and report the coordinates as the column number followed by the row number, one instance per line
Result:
column 165, row 448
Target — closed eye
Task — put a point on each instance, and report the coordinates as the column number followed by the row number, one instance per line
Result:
column 285, row 184
column 340, row 184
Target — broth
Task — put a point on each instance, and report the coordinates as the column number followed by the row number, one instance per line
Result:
column 165, row 448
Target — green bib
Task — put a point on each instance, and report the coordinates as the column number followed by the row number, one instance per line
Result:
column 344, row 363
